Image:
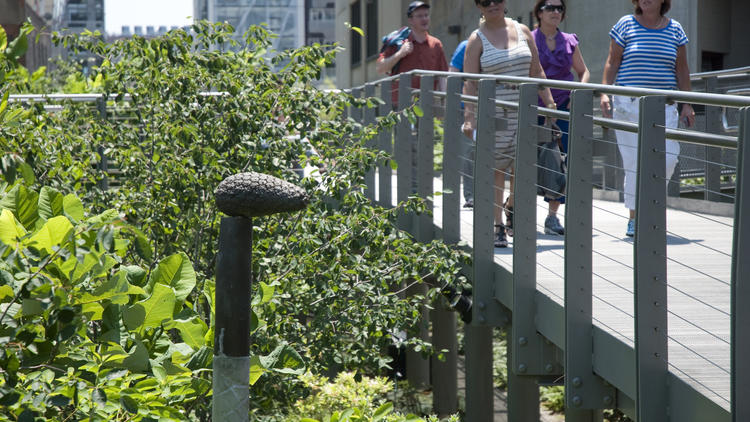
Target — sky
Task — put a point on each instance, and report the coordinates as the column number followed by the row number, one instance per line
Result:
column 146, row 12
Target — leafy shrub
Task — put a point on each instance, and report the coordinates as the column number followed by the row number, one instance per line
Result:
column 324, row 278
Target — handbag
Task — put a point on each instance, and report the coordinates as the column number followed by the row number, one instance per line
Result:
column 551, row 167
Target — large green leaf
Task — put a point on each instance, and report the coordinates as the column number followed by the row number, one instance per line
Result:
column 3, row 39
column 10, row 231
column 177, row 272
column 284, row 359
column 192, row 331
column 18, row 46
column 117, row 285
column 159, row 307
column 50, row 203
column 73, row 207
column 23, row 203
column 55, row 232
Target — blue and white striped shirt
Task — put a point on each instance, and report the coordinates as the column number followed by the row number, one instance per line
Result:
column 650, row 56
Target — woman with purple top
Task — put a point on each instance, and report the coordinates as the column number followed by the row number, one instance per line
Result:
column 558, row 54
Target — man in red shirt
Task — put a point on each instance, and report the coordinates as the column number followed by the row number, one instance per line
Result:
column 419, row 51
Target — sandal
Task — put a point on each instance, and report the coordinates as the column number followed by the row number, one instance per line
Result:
column 508, row 218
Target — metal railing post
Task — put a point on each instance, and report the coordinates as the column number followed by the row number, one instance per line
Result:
column 740, row 291
column 713, row 154
column 385, row 173
column 417, row 366
column 369, row 119
column 650, row 251
column 101, row 105
column 526, row 346
column 583, row 388
column 445, row 371
column 241, row 197
column 485, row 312
column 403, row 151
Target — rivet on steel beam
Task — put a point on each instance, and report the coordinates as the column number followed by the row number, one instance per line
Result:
column 482, row 319
column 577, row 382
column 522, row 368
column 523, row 341
column 607, row 400
column 577, row 401
column 481, row 305
column 548, row 368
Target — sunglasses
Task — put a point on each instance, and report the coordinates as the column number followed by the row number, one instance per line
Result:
column 553, row 8
column 487, row 3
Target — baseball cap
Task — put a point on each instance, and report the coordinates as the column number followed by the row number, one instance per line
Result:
column 416, row 5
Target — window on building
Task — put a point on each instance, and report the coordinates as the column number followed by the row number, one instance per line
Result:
column 371, row 29
column 356, row 39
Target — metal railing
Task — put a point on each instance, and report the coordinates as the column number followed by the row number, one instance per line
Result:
column 651, row 325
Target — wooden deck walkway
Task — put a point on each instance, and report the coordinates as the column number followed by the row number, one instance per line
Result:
column 699, row 263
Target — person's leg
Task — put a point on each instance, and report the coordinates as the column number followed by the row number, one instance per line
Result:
column 500, row 240
column 627, row 144
column 672, row 148
column 468, row 170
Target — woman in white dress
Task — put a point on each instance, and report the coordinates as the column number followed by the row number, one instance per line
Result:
column 501, row 46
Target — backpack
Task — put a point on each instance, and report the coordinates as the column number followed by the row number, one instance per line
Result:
column 395, row 39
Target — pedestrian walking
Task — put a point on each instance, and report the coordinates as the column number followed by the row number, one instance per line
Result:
column 647, row 50
column 560, row 56
column 501, row 46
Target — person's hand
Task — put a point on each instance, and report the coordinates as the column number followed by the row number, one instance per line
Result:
column 406, row 48
column 605, row 105
column 687, row 116
column 468, row 129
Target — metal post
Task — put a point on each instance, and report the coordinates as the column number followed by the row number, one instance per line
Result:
column 452, row 146
column 444, row 372
column 713, row 154
column 480, row 405
column 369, row 119
column 232, row 337
column 583, row 389
column 101, row 105
column 385, row 196
column 652, row 398
column 487, row 309
column 527, row 344
column 242, row 197
column 417, row 366
column 523, row 393
column 740, row 337
column 403, row 151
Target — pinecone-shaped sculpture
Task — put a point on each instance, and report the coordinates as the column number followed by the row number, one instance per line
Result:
column 254, row 194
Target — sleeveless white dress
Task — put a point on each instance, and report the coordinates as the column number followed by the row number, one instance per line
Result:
column 514, row 61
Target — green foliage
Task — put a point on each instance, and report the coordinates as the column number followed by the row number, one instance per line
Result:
column 553, row 398
column 350, row 398
column 131, row 267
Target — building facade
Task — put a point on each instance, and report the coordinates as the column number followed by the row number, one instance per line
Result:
column 716, row 39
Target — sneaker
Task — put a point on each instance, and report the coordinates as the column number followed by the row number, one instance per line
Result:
column 631, row 228
column 469, row 203
column 552, row 226
column 500, row 240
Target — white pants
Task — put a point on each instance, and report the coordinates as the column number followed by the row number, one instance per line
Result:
column 626, row 109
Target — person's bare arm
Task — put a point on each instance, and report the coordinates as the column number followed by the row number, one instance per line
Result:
column 471, row 65
column 385, row 64
column 579, row 66
column 537, row 71
column 683, row 83
column 611, row 66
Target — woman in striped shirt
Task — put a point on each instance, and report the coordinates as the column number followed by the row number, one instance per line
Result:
column 501, row 46
column 647, row 50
